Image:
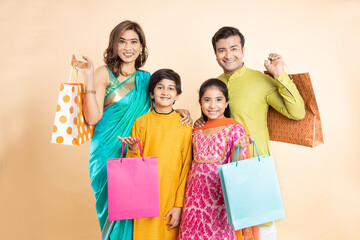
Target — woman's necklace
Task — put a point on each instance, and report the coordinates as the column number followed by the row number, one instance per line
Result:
column 125, row 74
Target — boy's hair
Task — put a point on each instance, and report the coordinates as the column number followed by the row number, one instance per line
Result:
column 214, row 83
column 165, row 73
column 226, row 32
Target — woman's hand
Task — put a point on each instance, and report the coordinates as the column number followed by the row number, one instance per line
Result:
column 85, row 67
column 199, row 123
column 133, row 145
column 175, row 214
column 186, row 116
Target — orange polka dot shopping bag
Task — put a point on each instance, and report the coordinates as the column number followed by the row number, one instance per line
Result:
column 70, row 127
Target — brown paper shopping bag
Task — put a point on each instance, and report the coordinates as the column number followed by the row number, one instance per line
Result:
column 70, row 127
column 306, row 132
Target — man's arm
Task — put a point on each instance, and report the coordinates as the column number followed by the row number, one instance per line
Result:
column 286, row 98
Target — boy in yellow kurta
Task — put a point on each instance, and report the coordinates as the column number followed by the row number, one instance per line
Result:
column 161, row 134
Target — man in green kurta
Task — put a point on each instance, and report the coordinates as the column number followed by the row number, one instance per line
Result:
column 251, row 92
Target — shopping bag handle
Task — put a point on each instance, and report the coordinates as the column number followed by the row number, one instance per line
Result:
column 139, row 145
column 71, row 71
column 77, row 73
column 238, row 153
column 257, row 152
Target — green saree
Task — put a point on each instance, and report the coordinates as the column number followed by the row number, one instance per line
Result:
column 124, row 102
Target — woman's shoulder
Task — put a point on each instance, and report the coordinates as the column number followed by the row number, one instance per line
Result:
column 102, row 69
column 144, row 73
column 102, row 74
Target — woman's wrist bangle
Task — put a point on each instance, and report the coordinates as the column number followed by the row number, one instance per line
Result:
column 90, row 91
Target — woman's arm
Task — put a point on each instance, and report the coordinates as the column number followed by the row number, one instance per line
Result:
column 95, row 89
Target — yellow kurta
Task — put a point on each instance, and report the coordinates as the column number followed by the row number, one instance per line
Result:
column 165, row 137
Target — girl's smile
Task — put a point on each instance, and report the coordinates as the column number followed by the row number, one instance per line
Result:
column 213, row 103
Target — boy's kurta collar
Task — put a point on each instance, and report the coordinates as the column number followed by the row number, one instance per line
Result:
column 162, row 114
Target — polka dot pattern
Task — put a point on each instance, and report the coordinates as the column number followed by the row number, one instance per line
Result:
column 70, row 127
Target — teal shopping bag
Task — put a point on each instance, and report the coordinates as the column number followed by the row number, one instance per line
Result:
column 251, row 191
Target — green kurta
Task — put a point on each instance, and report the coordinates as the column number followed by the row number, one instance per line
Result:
column 251, row 92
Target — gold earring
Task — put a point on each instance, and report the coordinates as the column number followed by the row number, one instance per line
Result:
column 141, row 61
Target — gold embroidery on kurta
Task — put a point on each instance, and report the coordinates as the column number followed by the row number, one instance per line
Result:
column 223, row 152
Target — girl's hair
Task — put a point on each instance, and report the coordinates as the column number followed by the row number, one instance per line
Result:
column 214, row 83
column 111, row 57
column 165, row 73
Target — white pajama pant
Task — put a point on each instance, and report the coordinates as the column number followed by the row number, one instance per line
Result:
column 268, row 232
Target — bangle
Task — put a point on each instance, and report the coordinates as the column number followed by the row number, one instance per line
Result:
column 90, row 91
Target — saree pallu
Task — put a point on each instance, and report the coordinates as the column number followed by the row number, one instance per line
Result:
column 117, row 120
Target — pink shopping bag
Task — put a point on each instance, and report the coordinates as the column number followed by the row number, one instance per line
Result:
column 133, row 187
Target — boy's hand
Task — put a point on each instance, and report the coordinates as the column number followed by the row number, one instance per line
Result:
column 175, row 214
column 199, row 123
column 130, row 141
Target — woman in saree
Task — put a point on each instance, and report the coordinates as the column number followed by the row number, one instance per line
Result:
column 115, row 95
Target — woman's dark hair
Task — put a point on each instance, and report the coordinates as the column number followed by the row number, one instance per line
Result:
column 214, row 83
column 165, row 73
column 226, row 32
column 111, row 57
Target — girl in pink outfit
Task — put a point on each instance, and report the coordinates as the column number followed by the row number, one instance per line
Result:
column 204, row 214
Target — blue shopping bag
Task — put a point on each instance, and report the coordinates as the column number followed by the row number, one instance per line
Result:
column 251, row 191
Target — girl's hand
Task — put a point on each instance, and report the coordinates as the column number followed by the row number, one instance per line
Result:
column 85, row 67
column 244, row 142
column 199, row 123
column 130, row 141
column 186, row 116
column 175, row 214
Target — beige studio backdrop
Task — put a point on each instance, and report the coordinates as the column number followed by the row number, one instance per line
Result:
column 45, row 189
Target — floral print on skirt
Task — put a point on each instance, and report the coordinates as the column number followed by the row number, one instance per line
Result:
column 204, row 214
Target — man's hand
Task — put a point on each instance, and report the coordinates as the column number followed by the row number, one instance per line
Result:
column 199, row 123
column 274, row 64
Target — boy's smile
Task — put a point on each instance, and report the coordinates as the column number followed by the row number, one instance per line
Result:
column 164, row 96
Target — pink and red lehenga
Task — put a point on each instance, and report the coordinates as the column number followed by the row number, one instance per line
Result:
column 204, row 214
